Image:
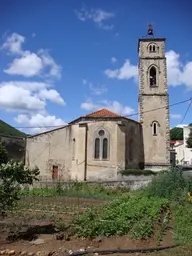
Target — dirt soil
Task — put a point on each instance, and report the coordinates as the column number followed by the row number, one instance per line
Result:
column 52, row 246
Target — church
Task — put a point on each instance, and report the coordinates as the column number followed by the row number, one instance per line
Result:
column 100, row 144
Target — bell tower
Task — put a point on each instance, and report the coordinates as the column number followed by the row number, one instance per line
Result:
column 154, row 101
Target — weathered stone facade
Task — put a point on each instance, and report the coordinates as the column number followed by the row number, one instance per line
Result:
column 153, row 95
column 71, row 149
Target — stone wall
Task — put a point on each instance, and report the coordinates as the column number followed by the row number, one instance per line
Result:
column 132, row 182
column 15, row 147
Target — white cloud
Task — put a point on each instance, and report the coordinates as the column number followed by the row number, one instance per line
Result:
column 51, row 95
column 39, row 122
column 126, row 72
column 30, row 64
column 176, row 116
column 14, row 43
column 48, row 61
column 19, row 99
column 114, row 106
column 98, row 16
column 181, row 125
column 98, row 90
column 113, row 60
column 27, row 96
column 178, row 73
column 33, row 35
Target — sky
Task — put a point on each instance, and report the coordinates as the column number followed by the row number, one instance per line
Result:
column 63, row 59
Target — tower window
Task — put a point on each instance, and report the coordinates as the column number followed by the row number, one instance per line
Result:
column 154, row 129
column 155, row 126
column 131, row 150
column 152, row 48
column 153, row 76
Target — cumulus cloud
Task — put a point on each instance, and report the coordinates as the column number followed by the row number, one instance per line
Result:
column 30, row 64
column 176, row 116
column 98, row 16
column 14, row 43
column 114, row 106
column 39, row 122
column 19, row 99
column 127, row 71
column 179, row 73
column 51, row 95
column 27, row 96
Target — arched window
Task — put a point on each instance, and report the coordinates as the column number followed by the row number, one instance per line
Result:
column 153, row 76
column 155, row 126
column 154, row 129
column 131, row 150
column 105, row 148
column 101, row 149
column 152, row 48
column 97, row 148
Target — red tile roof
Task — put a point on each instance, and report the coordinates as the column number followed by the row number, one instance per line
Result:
column 103, row 113
column 172, row 142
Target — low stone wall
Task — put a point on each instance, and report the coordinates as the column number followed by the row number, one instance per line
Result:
column 132, row 182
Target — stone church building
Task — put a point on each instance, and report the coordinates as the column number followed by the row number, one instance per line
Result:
column 98, row 145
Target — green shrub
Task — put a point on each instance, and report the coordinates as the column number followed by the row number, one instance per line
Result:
column 128, row 214
column 183, row 223
column 138, row 172
column 171, row 185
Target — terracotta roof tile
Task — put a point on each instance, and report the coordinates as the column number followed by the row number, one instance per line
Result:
column 103, row 113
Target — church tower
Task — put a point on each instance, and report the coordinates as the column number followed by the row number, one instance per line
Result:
column 154, row 102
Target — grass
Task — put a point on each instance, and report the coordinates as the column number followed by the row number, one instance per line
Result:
column 77, row 189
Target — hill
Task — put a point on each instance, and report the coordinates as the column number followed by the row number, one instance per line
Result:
column 6, row 129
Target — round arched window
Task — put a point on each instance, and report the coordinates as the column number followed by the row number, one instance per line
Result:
column 101, row 132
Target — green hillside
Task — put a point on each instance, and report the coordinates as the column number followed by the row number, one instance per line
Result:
column 6, row 129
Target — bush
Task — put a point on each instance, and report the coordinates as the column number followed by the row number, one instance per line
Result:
column 13, row 175
column 171, row 185
column 129, row 214
column 138, row 172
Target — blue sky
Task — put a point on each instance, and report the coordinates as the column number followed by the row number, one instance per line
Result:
column 62, row 59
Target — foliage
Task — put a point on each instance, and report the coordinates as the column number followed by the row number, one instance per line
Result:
column 6, row 129
column 13, row 174
column 176, row 133
column 131, row 214
column 183, row 223
column 138, row 172
column 3, row 154
column 189, row 140
column 76, row 189
column 171, row 185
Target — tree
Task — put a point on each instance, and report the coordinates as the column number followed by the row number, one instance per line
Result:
column 12, row 176
column 3, row 154
column 189, row 140
column 176, row 133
